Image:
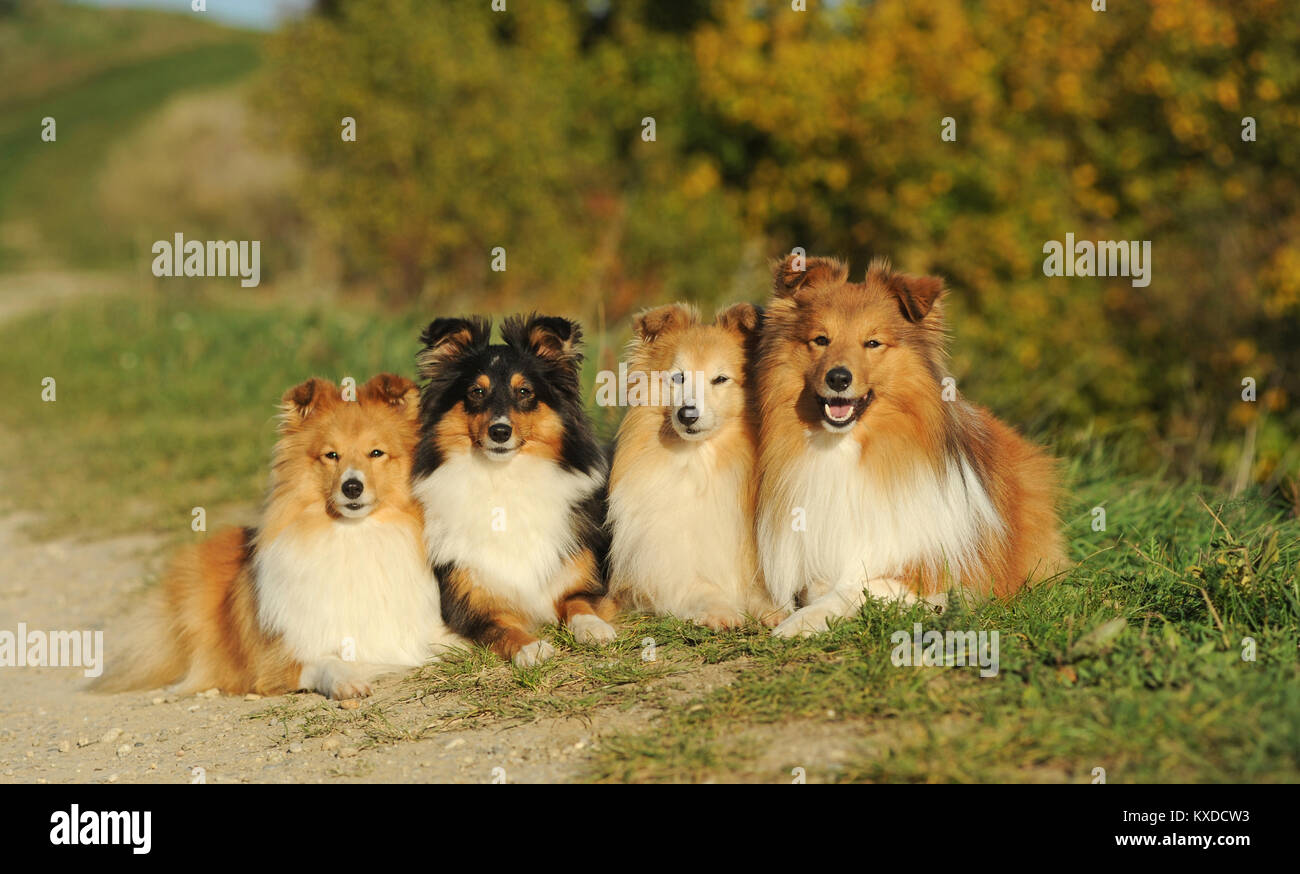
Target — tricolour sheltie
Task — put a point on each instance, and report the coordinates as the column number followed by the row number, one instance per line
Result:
column 331, row 589
column 513, row 484
column 872, row 483
column 682, row 486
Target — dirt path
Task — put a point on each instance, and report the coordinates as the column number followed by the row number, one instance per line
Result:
column 51, row 730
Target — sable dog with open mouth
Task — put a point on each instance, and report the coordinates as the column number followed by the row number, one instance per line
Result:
column 512, row 482
column 871, row 483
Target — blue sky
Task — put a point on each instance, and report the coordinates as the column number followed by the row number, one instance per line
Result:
column 260, row 14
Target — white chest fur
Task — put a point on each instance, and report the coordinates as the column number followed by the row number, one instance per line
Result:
column 509, row 523
column 359, row 587
column 830, row 522
column 682, row 533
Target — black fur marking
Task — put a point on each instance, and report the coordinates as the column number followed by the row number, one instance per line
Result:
column 457, row 613
column 250, row 546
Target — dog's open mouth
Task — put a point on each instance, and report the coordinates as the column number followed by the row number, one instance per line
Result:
column 843, row 412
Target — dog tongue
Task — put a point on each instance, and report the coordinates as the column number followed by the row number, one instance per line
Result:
column 839, row 409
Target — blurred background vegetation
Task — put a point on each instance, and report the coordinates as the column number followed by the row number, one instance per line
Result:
column 773, row 129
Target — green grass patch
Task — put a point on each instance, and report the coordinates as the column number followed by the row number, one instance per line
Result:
column 168, row 402
column 98, row 75
column 1132, row 662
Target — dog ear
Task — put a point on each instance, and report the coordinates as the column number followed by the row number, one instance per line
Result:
column 551, row 338
column 395, row 391
column 795, row 272
column 447, row 339
column 302, row 400
column 742, row 318
column 916, row 294
column 650, row 325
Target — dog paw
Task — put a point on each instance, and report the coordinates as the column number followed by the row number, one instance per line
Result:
column 343, row 691
column 721, row 620
column 337, row 679
column 803, row 623
column 344, row 683
column 591, row 629
column 772, row 619
column 533, row 654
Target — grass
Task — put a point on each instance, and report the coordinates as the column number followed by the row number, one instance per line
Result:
column 1132, row 662
column 98, row 74
column 167, row 402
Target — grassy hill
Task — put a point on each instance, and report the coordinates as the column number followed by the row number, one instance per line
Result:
column 99, row 73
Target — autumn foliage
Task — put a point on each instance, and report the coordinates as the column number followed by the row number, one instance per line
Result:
column 1171, row 121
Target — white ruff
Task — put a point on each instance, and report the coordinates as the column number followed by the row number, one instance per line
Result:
column 364, row 581
column 680, row 528
column 859, row 529
column 507, row 523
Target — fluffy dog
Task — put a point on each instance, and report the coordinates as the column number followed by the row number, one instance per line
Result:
column 512, row 483
column 872, row 484
column 332, row 587
column 682, row 486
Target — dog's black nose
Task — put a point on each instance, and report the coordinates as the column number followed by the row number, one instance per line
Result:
column 499, row 433
column 688, row 416
column 839, row 378
column 353, row 488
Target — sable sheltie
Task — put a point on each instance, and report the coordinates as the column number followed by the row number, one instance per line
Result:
column 872, row 484
column 512, row 482
column 682, row 486
column 331, row 589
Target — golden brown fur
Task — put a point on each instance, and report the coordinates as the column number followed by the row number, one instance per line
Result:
column 205, row 626
column 884, row 339
column 681, row 503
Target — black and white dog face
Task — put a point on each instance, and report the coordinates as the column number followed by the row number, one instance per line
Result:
column 521, row 396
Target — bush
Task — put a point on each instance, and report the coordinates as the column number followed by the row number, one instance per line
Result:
column 821, row 129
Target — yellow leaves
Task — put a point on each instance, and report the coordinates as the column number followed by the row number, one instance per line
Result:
column 1225, row 92
column 1281, row 279
column 702, row 178
column 940, row 182
column 1027, row 354
column 1242, row 415
column 1156, row 78
column 1267, row 90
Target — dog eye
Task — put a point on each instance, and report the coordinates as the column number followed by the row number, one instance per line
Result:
column 822, row 340
column 375, row 453
column 477, row 392
column 332, row 456
column 871, row 344
column 679, row 378
column 719, row 380
column 525, row 392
